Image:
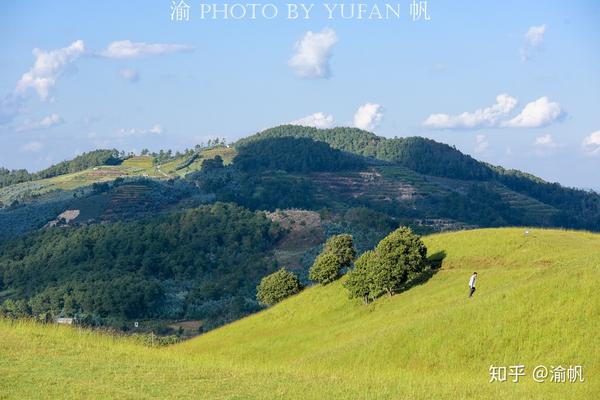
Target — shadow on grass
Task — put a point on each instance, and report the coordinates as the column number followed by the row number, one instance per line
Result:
column 434, row 262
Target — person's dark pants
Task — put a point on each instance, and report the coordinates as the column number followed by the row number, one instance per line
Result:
column 472, row 291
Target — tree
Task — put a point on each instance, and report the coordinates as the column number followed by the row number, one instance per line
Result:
column 401, row 256
column 343, row 247
column 359, row 282
column 325, row 269
column 15, row 309
column 337, row 254
column 277, row 286
column 398, row 258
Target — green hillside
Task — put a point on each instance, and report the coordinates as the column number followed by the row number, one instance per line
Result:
column 537, row 303
column 65, row 179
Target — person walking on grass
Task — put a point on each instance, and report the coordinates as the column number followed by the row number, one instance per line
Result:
column 472, row 284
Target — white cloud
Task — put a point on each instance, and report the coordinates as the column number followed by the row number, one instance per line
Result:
column 32, row 147
column 313, row 53
column 481, row 144
column 591, row 144
column 317, row 120
column 545, row 141
column 44, row 123
column 156, row 129
column 538, row 113
column 130, row 74
column 368, row 116
column 481, row 118
column 534, row 38
column 129, row 49
column 545, row 145
column 535, row 35
column 48, row 67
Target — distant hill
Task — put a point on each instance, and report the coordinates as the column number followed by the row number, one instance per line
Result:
column 79, row 163
column 419, row 154
column 536, row 304
column 576, row 208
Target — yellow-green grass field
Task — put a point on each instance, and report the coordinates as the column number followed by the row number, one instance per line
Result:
column 537, row 303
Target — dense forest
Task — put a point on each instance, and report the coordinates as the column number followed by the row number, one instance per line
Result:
column 294, row 155
column 201, row 263
column 416, row 153
column 579, row 208
column 79, row 163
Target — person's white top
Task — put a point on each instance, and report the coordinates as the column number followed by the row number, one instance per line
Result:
column 472, row 280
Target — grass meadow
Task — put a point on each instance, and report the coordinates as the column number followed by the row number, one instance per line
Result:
column 537, row 303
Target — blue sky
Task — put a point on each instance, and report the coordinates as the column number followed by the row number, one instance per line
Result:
column 513, row 83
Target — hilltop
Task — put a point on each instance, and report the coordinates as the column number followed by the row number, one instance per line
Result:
column 537, row 303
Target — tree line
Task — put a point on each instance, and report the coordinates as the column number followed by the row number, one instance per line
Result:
column 397, row 261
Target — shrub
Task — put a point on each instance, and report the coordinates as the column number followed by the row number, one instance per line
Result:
column 277, row 286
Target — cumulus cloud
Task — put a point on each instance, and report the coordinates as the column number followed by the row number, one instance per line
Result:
column 32, row 147
column 481, row 118
column 534, row 38
column 129, row 49
column 313, row 53
column 368, row 116
column 591, row 144
column 48, row 67
column 538, row 113
column 44, row 123
column 481, row 144
column 317, row 120
column 130, row 74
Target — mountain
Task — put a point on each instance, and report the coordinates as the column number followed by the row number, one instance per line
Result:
column 536, row 304
column 90, row 242
column 576, row 208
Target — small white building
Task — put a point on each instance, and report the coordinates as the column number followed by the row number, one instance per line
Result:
column 66, row 321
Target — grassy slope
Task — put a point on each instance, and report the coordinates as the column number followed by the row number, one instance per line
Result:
column 132, row 167
column 537, row 303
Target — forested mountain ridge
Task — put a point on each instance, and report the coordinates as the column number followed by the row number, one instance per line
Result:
column 577, row 208
column 419, row 154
